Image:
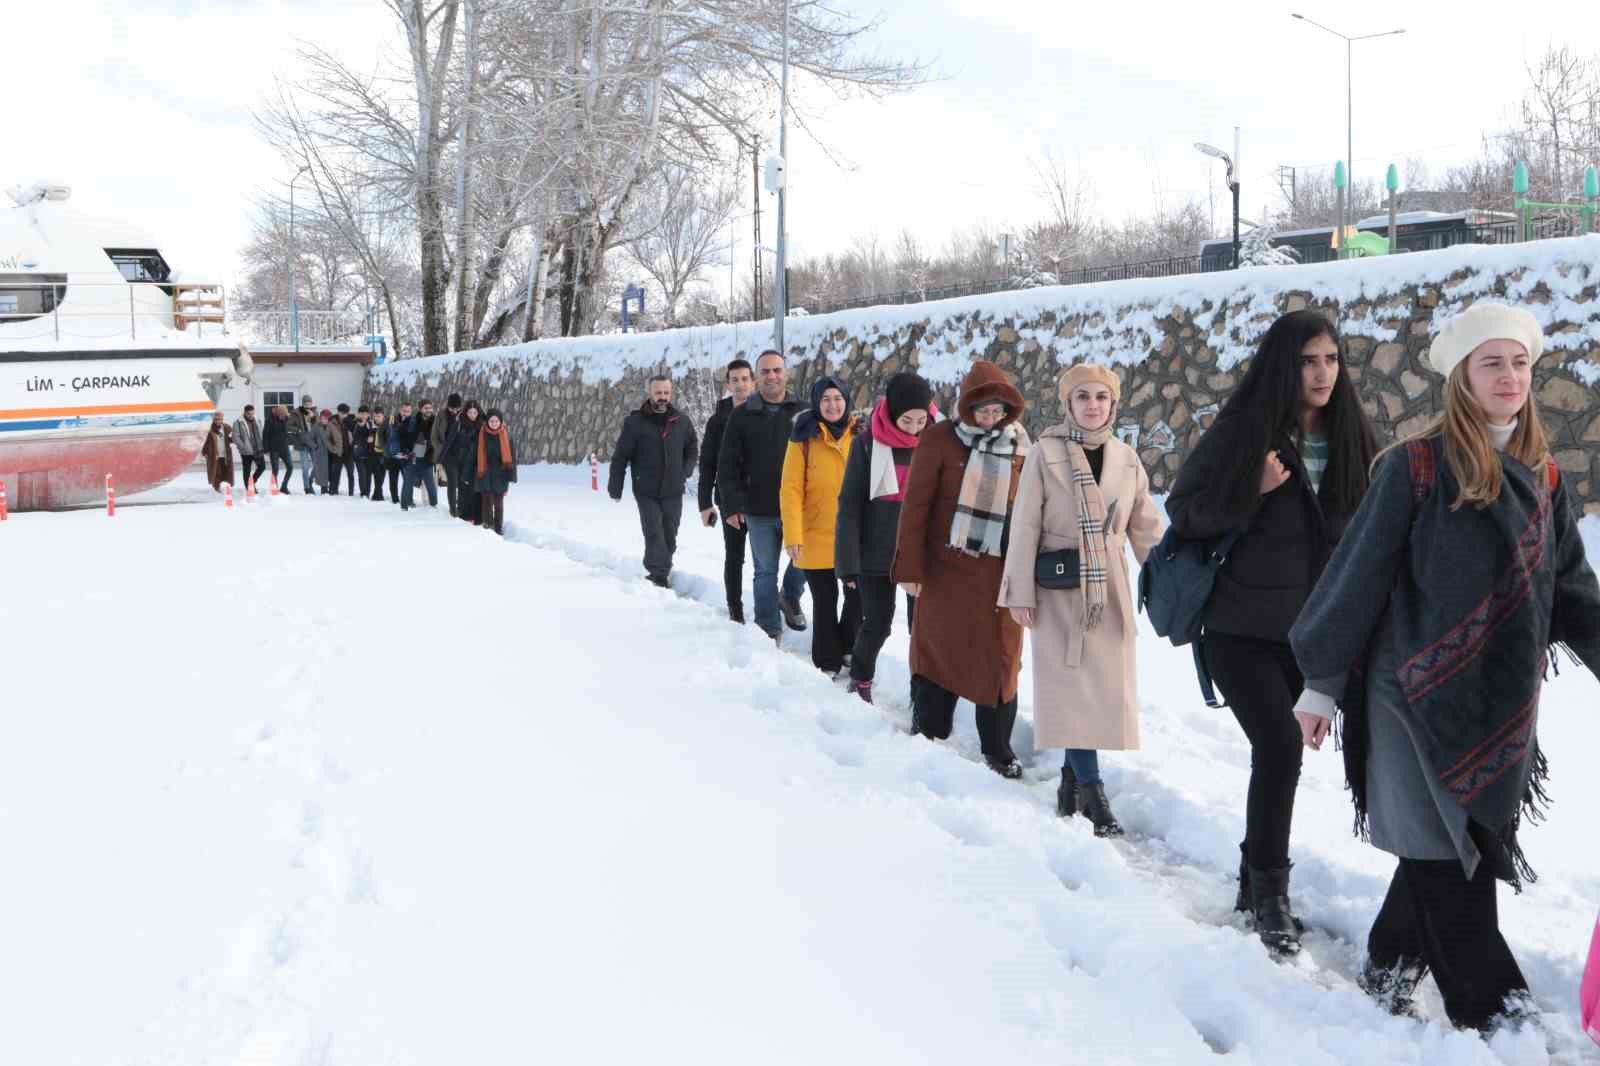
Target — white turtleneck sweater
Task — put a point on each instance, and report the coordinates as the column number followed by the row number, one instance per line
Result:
column 1322, row 705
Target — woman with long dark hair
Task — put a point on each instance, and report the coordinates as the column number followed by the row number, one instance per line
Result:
column 1282, row 470
column 1462, row 571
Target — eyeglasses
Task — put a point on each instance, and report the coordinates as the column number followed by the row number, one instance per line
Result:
column 990, row 409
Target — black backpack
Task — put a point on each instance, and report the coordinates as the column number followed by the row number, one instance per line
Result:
column 1174, row 585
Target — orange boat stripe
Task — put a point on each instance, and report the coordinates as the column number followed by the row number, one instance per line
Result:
column 108, row 409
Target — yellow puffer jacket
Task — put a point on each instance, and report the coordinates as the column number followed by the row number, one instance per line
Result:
column 813, row 472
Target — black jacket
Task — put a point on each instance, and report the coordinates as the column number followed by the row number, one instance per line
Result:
column 658, row 449
column 360, row 439
column 461, row 446
column 275, row 434
column 496, row 477
column 864, row 532
column 1288, row 538
column 710, row 452
column 750, row 460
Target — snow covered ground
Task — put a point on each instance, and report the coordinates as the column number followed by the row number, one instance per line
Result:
column 313, row 782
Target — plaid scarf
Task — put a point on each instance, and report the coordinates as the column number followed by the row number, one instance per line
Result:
column 981, row 509
column 1092, row 521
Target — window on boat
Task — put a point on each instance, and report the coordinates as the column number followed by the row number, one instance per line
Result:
column 141, row 264
column 25, row 296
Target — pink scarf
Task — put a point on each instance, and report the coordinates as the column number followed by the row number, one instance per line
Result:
column 886, row 437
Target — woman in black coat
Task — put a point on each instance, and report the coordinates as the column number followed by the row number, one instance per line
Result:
column 1282, row 470
column 461, row 459
column 869, row 514
column 496, row 468
column 275, row 442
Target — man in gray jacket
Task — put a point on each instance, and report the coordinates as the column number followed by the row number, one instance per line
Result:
column 302, row 426
column 247, row 438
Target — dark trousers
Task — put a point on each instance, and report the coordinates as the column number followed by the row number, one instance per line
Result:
column 494, row 510
column 1261, row 682
column 349, row 474
column 1436, row 919
column 933, row 714
column 832, row 632
column 452, row 490
column 733, row 566
column 471, row 503
column 252, row 467
column 391, row 467
column 658, row 520
column 288, row 465
column 335, row 464
column 877, row 620
column 364, row 469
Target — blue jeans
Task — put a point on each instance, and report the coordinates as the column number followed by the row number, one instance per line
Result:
column 1085, row 765
column 308, row 466
column 418, row 471
column 766, row 545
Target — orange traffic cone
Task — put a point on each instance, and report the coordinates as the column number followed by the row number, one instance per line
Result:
column 227, row 495
column 249, row 491
column 111, row 498
column 274, row 483
column 2, row 501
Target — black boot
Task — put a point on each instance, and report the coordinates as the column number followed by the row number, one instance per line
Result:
column 1269, row 903
column 1393, row 986
column 1093, row 805
column 794, row 616
column 1066, row 794
column 736, row 613
column 1241, row 902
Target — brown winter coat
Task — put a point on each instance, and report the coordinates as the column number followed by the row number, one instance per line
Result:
column 333, row 433
column 218, row 451
column 1085, row 692
column 961, row 640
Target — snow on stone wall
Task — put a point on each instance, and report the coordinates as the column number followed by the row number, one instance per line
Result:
column 1180, row 344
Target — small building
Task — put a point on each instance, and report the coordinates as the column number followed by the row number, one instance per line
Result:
column 330, row 375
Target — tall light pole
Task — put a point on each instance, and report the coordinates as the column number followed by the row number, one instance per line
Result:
column 1349, row 109
column 294, row 291
column 1233, row 184
column 780, row 290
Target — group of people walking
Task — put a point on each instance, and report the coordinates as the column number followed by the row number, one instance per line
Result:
column 1421, row 590
column 464, row 449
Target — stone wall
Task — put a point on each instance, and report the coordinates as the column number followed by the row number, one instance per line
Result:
column 1180, row 345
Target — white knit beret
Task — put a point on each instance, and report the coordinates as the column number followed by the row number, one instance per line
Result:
column 1480, row 323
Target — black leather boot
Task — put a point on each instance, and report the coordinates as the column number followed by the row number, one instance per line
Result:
column 1241, row 902
column 1269, row 904
column 1066, row 795
column 1093, row 805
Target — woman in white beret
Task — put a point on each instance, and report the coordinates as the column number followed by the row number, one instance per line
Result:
column 1470, row 532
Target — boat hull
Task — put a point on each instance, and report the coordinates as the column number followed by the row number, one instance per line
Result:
column 65, row 425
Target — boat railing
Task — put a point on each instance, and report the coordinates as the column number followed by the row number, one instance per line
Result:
column 109, row 310
column 318, row 328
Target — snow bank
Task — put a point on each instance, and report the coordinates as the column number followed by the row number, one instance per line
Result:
column 1121, row 318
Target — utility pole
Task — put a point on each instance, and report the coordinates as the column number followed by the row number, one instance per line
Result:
column 755, row 248
column 1286, row 183
column 780, row 289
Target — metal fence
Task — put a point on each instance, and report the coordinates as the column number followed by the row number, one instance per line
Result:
column 318, row 328
column 1507, row 232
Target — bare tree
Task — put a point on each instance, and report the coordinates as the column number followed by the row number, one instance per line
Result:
column 685, row 227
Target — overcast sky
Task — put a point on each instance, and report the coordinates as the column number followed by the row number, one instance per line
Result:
column 144, row 108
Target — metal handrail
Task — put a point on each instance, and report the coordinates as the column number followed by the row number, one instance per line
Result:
column 68, row 306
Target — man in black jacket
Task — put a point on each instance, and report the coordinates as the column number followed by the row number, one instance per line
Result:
column 416, row 452
column 741, row 382
column 658, row 445
column 749, row 475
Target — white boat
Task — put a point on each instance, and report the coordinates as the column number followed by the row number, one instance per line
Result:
column 110, row 362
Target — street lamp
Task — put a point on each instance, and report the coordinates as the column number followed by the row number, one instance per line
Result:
column 1349, row 133
column 1233, row 184
column 294, row 291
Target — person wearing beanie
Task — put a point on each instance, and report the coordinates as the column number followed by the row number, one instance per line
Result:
column 808, row 506
column 1430, row 628
column 439, row 436
column 1249, row 483
column 869, row 514
column 949, row 553
column 305, row 436
column 494, row 468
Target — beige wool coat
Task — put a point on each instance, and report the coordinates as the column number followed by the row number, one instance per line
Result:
column 1085, row 684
